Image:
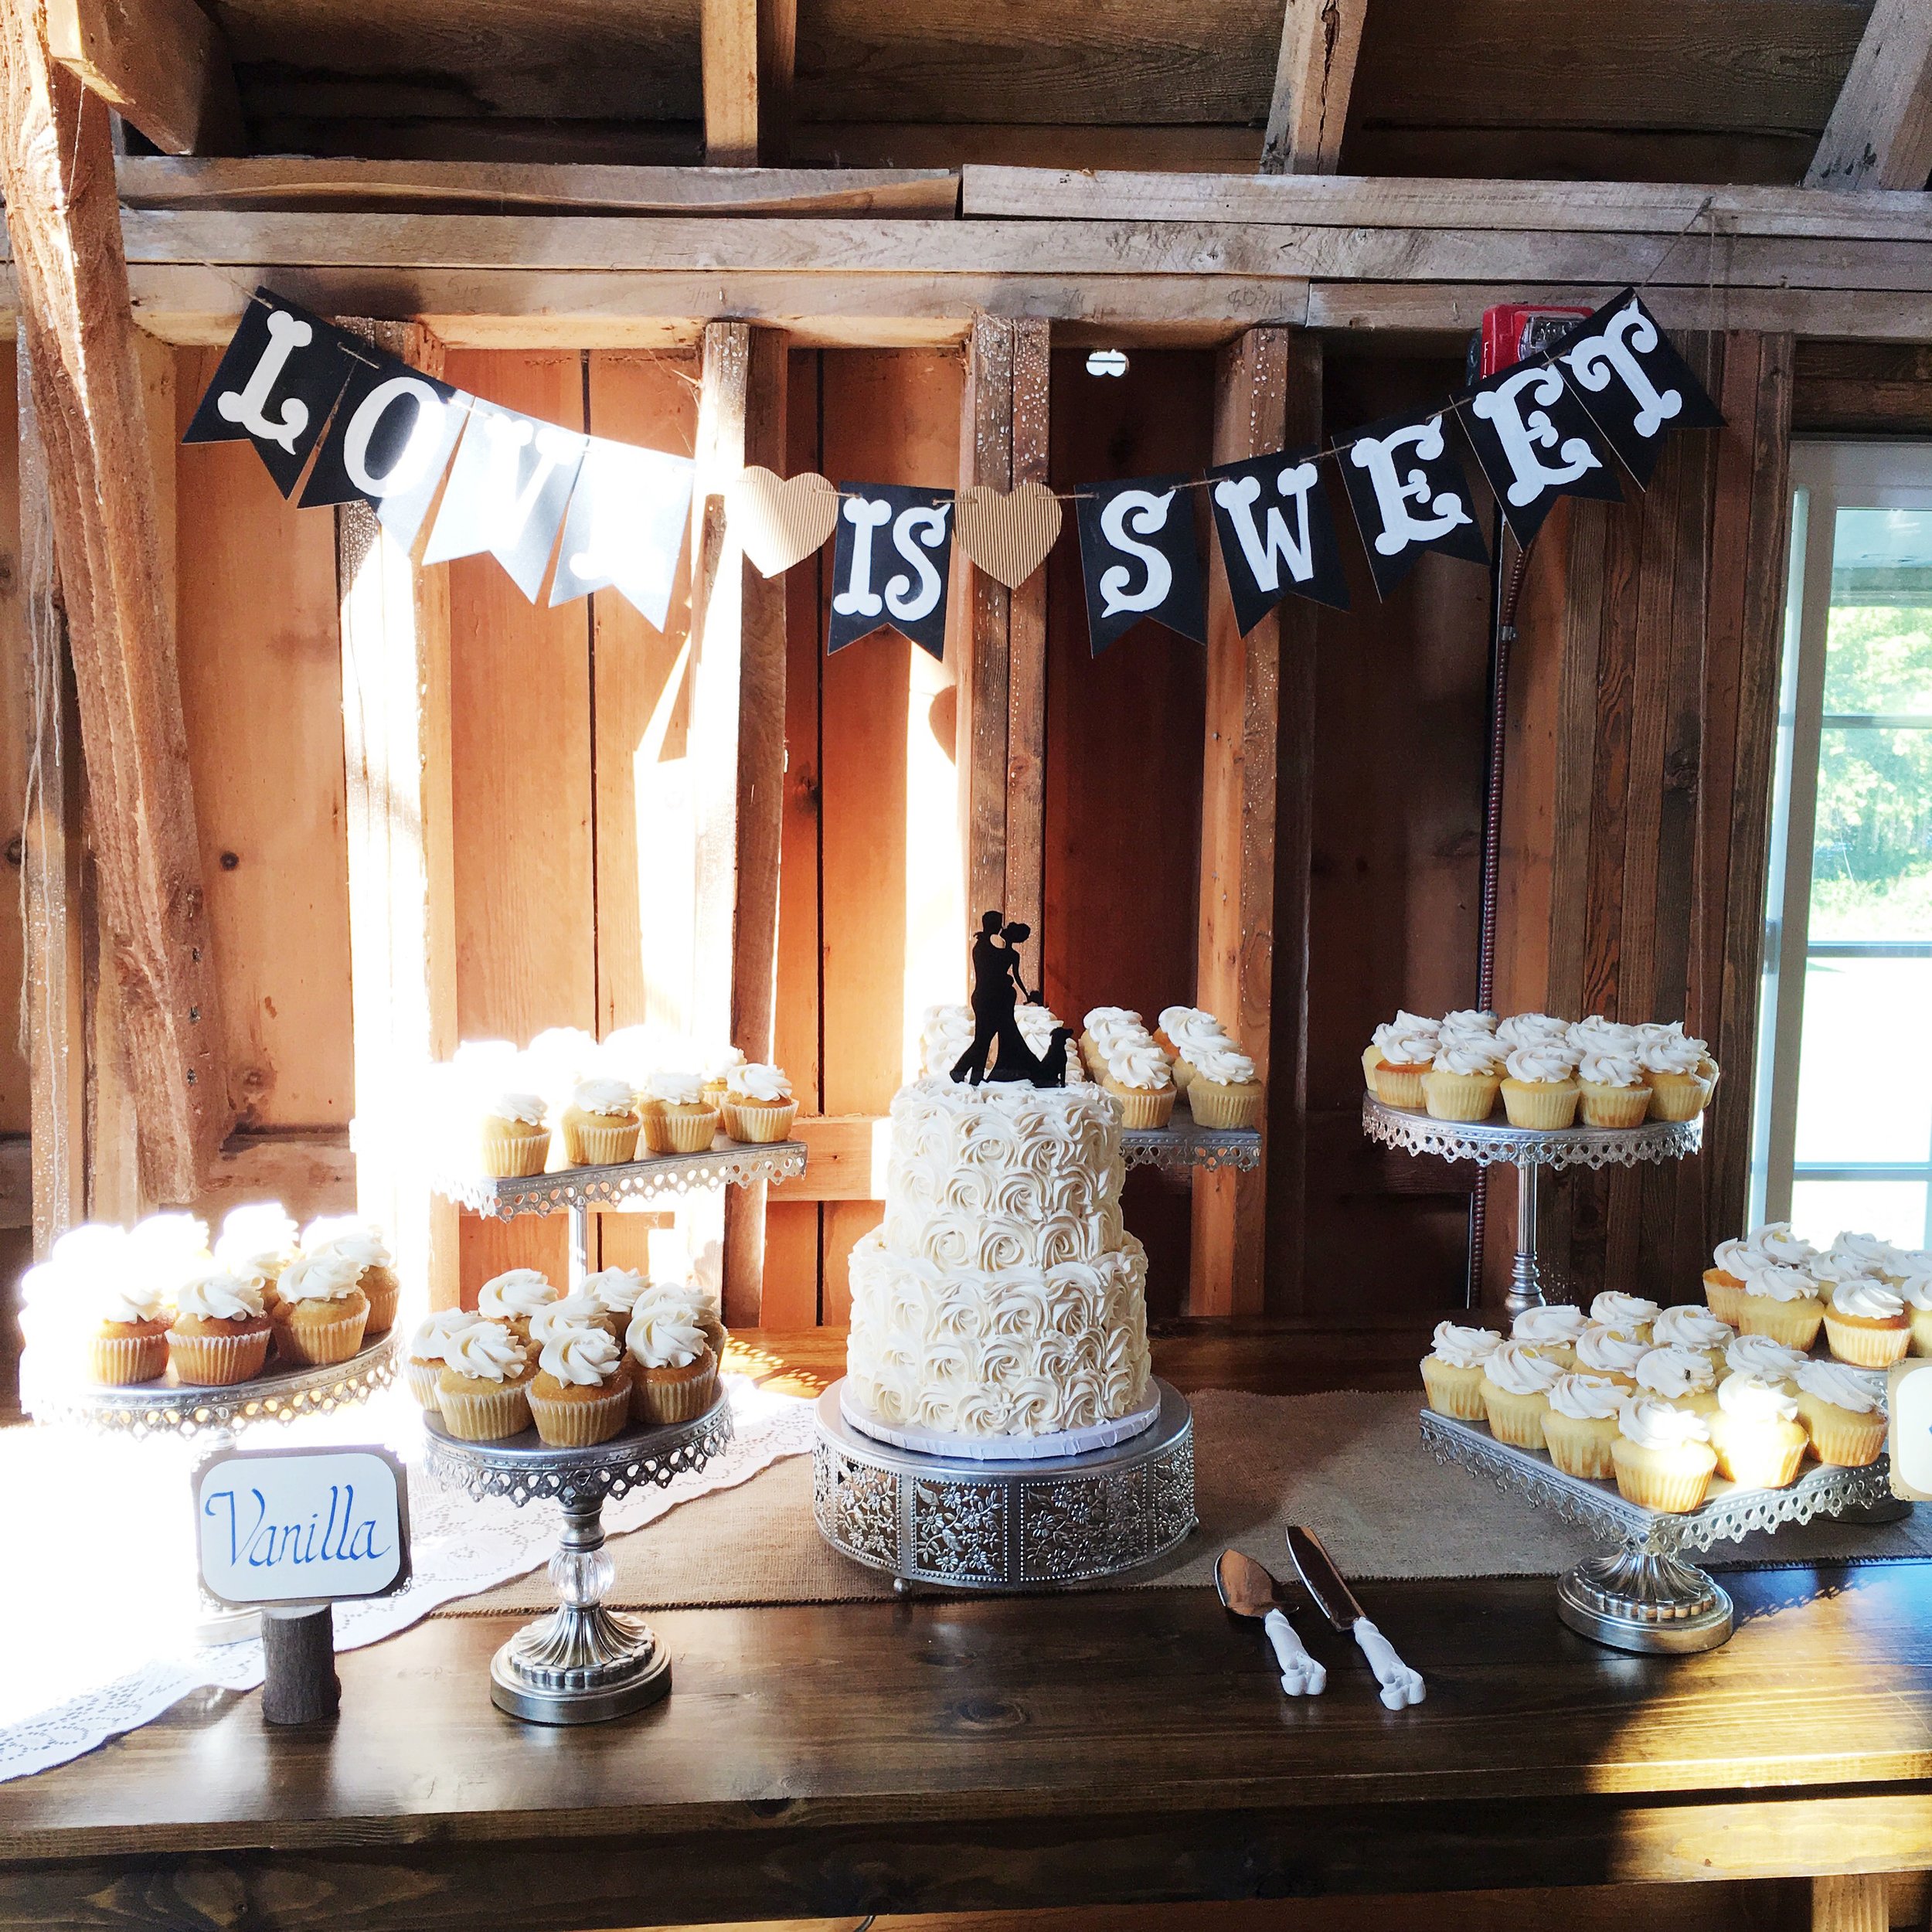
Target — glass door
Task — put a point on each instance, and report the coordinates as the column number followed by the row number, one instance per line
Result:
column 1843, row 1126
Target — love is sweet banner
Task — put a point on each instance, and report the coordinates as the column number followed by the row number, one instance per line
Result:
column 586, row 513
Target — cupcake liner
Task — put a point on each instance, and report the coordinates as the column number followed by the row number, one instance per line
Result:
column 1723, row 1295
column 382, row 1292
column 1677, row 1097
column 321, row 1345
column 601, row 1146
column 1670, row 1487
column 581, row 1422
column 1542, row 1104
column 675, row 1395
column 1580, row 1446
column 1371, row 1060
column 759, row 1122
column 1399, row 1086
column 1866, row 1347
column 1460, row 1097
column 1841, row 1436
column 1613, row 1106
column 1515, row 1419
column 1794, row 1323
column 1183, row 1073
column 487, row 1414
column 1921, row 1330
column 651, row 1136
column 1758, row 1455
column 422, row 1377
column 516, row 1157
column 1453, row 1391
column 1141, row 1110
column 690, row 1133
column 218, row 1361
column 1221, row 1107
column 119, row 1361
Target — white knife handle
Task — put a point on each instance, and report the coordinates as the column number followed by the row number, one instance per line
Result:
column 1400, row 1685
column 1301, row 1676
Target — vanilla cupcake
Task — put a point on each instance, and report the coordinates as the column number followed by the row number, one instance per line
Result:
column 1758, row 1355
column 1662, row 1456
column 1463, row 1078
column 1375, row 1053
column 1540, row 1087
column 945, row 1033
column 1916, row 1288
column 680, row 1119
column 514, row 1296
column 1516, row 1381
column 615, row 1291
column 129, row 1344
column 1855, row 1256
column 1601, row 1350
column 683, row 1298
column 717, row 1078
column 1611, row 1088
column 1469, row 1022
column 1180, row 1025
column 1532, row 1029
column 163, row 1250
column 320, row 1315
column 1580, row 1425
column 1691, row 1327
column 1102, row 1023
column 484, row 1390
column 1756, row 1433
column 581, row 1393
column 219, row 1334
column 759, row 1108
column 1781, row 1302
column 600, row 1126
column 1630, row 1315
column 579, row 1309
column 422, row 1366
column 1595, row 1034
column 1452, row 1369
column 1406, row 1058
column 514, row 1143
column 1672, row 1066
column 1866, row 1324
column 1842, row 1413
column 1221, row 1089
column 1683, row 1377
column 360, row 1242
column 1136, row 1073
column 257, row 1240
column 675, row 1366
column 1552, row 1330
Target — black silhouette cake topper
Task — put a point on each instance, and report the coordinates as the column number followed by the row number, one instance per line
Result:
column 997, row 990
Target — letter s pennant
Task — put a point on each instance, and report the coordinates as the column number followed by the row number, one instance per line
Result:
column 1138, row 556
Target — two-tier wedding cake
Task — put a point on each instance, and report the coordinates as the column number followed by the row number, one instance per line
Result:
column 1001, row 1297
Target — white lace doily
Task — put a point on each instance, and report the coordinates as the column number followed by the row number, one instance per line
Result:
column 100, row 1625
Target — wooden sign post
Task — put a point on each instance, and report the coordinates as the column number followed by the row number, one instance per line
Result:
column 292, row 1530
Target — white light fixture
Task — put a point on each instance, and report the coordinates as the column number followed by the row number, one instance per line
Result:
column 1107, row 361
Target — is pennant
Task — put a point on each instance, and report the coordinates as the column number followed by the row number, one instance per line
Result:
column 1276, row 534
column 891, row 564
column 1008, row 533
column 1409, row 495
column 778, row 521
column 1637, row 388
column 625, row 526
column 1534, row 442
column 1137, row 555
column 281, row 372
column 388, row 443
column 506, row 493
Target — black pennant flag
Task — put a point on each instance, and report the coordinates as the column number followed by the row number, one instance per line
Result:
column 1138, row 557
column 1635, row 384
column 1535, row 443
column 1276, row 535
column 282, row 370
column 388, row 443
column 891, row 564
column 1409, row 495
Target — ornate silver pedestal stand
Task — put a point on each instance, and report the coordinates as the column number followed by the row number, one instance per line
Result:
column 581, row 1664
column 168, row 1407
column 578, row 1191
column 1527, row 1149
column 1643, row 1595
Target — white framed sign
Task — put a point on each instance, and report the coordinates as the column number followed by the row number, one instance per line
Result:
column 302, row 1526
column 1909, row 1397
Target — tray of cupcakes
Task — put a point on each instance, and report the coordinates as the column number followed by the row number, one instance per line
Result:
column 1779, row 1376
column 156, row 1325
column 570, row 1119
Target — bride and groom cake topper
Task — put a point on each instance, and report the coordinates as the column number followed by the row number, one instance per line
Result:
column 998, row 990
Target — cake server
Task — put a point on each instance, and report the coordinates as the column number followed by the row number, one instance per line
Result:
column 1400, row 1685
column 1248, row 1590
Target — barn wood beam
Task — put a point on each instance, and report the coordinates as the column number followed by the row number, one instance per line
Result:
column 729, row 40
column 1880, row 132
column 777, row 66
column 162, row 65
column 1313, row 76
column 57, row 170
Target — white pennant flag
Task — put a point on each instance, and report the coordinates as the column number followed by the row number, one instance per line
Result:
column 507, row 491
column 625, row 527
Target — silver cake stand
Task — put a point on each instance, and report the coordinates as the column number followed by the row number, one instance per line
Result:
column 1004, row 1525
column 580, row 1664
column 1527, row 1149
column 581, row 1191
column 1644, row 1596
column 1181, row 1145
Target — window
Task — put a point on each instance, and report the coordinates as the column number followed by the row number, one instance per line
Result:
column 1843, row 1132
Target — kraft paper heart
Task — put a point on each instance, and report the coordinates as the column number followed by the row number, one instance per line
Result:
column 1009, row 535
column 780, row 522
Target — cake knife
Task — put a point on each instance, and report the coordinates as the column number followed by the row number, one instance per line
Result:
column 1400, row 1685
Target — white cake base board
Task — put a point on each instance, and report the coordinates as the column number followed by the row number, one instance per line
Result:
column 1072, row 1442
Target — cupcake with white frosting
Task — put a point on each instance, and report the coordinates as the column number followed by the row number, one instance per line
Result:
column 1516, row 1381
column 320, row 1314
column 1532, row 1029
column 483, row 1391
column 1539, row 1088
column 1223, row 1089
column 600, row 1126
column 1100, row 1025
column 1760, row 1442
column 675, row 1365
column 422, row 1366
column 1136, row 1073
column 1552, row 1330
column 1662, row 1456
column 759, row 1108
column 1691, row 1327
column 1915, row 1287
column 1631, row 1314
column 1724, row 1279
column 1452, row 1369
column 1581, row 1423
column 579, row 1309
column 1683, row 1377
column 513, row 1140
column 1611, row 1088
column 514, row 1296
column 718, row 1072
column 679, row 1117
column 580, row 1394
column 1601, row 1350
column 1781, row 1302
column 1416, row 1027
column 1408, row 1056
column 257, row 1240
column 1866, row 1324
column 220, row 1333
column 1843, row 1412
column 1673, row 1065
column 361, row 1242
column 1758, row 1355
column 615, row 1291
column 1464, row 1077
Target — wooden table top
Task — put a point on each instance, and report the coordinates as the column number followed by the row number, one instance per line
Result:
column 953, row 1755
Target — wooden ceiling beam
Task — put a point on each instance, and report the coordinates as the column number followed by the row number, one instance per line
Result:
column 1313, row 78
column 162, row 65
column 1880, row 132
column 57, row 170
column 730, row 45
